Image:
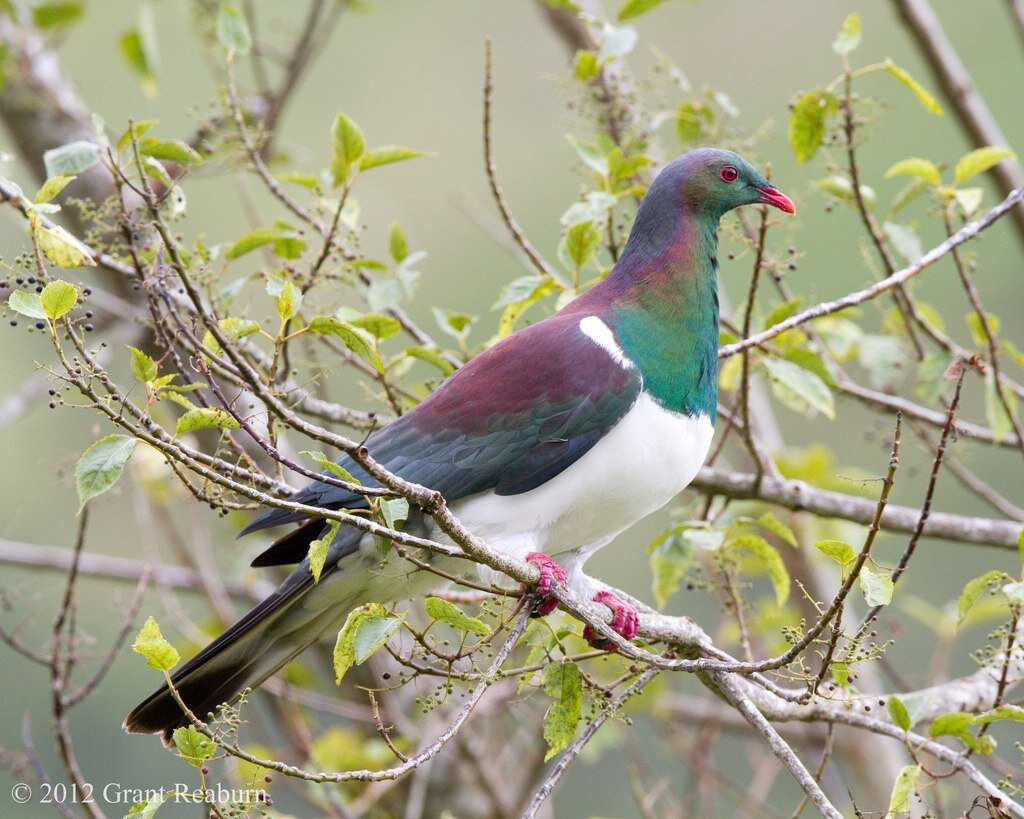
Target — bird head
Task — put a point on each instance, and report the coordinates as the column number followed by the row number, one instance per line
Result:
column 713, row 181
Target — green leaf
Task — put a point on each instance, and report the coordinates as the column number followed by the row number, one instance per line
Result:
column 922, row 169
column 807, row 122
column 143, row 367
column 173, row 150
column 101, row 465
column 586, row 65
column 979, row 161
column 849, row 35
column 377, row 325
column 974, row 589
column 768, row 556
column 58, row 299
column 385, row 155
column 27, row 304
column 335, row 469
column 770, row 523
column 150, row 643
column 234, row 328
column 781, row 312
column 799, row 389
column 394, row 511
column 349, row 146
column 1020, row 546
column 876, row 585
column 842, row 189
column 366, row 629
column 842, row 553
column 140, row 128
column 317, row 554
column 454, row 616
column 397, row 243
column 195, row 748
column 634, row 8
column 906, row 783
column 356, row 340
column 133, row 49
column 995, row 412
column 1004, row 712
column 233, row 31
column 953, row 724
column 923, row 96
column 53, row 186
column 60, row 247
column 898, row 713
column 580, row 242
column 205, row 418
column 562, row 683
column 432, row 357
column 288, row 301
column 50, row 15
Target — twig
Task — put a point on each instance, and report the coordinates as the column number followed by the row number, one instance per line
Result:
column 966, row 233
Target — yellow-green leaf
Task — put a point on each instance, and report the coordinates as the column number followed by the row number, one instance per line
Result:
column 335, row 469
column 143, row 367
column 769, row 558
column 903, row 787
column 195, row 748
column 451, row 614
column 53, row 186
column 979, row 161
column 366, row 629
column 349, row 146
column 807, row 122
column 58, row 298
column 899, row 714
column 317, row 554
column 150, row 643
column 205, row 418
column 842, row 553
column 358, row 341
column 799, row 389
column 288, row 301
column 60, row 247
column 385, row 155
column 974, row 589
column 923, row 95
column 634, row 8
column 849, row 35
column 562, row 683
column 923, row 169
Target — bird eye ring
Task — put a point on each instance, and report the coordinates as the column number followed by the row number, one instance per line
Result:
column 729, row 173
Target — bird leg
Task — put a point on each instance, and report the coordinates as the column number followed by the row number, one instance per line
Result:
column 549, row 571
column 625, row 621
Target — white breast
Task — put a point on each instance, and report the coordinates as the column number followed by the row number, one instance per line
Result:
column 642, row 463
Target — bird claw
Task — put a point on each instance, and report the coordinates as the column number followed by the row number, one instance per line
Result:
column 549, row 571
column 625, row 621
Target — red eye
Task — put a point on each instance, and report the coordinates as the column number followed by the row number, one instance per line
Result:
column 729, row 173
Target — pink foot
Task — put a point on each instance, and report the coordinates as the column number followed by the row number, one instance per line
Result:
column 549, row 571
column 625, row 621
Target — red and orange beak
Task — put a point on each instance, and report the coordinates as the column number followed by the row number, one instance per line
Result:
column 771, row 195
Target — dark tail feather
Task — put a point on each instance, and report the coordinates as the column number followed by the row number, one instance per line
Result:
column 291, row 548
column 264, row 640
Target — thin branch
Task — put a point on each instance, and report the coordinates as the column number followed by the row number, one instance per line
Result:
column 966, row 233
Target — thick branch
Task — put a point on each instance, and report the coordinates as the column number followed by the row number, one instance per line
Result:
column 800, row 496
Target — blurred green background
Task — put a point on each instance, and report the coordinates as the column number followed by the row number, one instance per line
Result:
column 410, row 72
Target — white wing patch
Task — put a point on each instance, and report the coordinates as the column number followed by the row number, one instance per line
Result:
column 600, row 333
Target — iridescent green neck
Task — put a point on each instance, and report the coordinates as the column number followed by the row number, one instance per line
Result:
column 665, row 316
